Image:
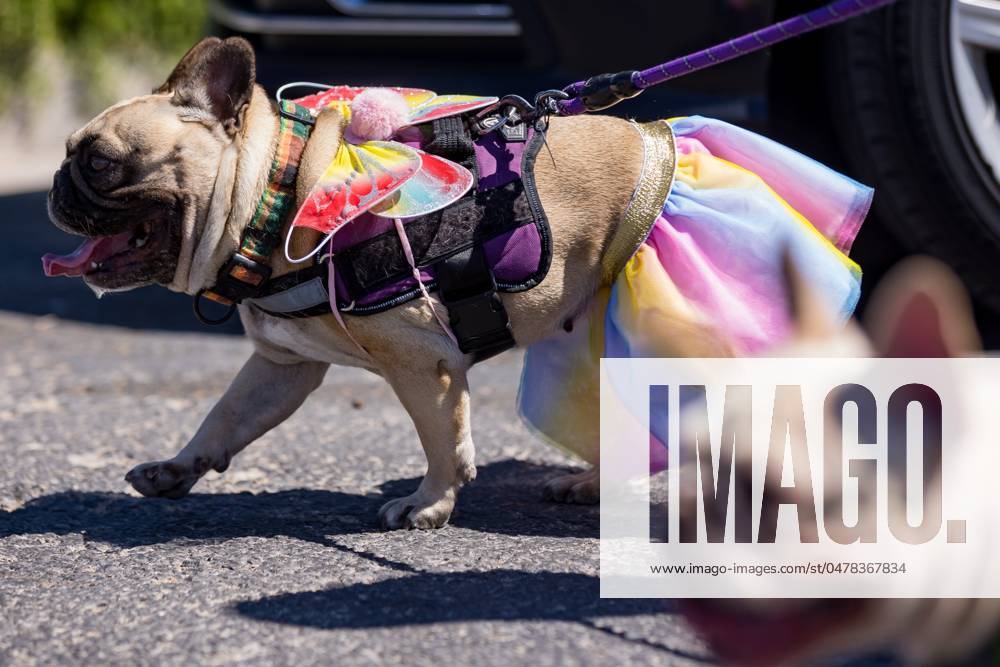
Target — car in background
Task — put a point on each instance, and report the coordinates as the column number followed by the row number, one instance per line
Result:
column 904, row 99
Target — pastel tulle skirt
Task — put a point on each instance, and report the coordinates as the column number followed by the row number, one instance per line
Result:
column 708, row 281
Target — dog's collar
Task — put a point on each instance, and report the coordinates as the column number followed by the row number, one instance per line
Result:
column 244, row 274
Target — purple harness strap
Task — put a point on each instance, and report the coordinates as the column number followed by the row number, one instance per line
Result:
column 831, row 14
column 518, row 257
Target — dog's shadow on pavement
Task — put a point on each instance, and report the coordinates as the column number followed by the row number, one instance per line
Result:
column 444, row 597
column 505, row 499
column 427, row 598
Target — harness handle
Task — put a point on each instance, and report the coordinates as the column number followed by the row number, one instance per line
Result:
column 605, row 90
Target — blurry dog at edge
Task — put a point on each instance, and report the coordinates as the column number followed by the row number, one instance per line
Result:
column 920, row 310
column 183, row 168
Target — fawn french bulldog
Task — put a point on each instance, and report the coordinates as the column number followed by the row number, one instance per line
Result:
column 162, row 187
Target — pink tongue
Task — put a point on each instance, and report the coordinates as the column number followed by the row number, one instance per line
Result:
column 78, row 262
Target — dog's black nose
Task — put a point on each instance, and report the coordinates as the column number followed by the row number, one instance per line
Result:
column 57, row 180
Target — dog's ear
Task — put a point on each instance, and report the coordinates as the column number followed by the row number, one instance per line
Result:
column 184, row 67
column 812, row 319
column 922, row 310
column 216, row 76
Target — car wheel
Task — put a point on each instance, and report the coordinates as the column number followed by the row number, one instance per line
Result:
column 912, row 92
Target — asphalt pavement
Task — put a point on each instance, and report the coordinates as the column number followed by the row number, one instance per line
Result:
column 280, row 560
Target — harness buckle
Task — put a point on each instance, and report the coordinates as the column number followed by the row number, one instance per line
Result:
column 478, row 321
column 476, row 314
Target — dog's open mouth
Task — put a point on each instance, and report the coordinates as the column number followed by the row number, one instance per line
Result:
column 751, row 637
column 107, row 255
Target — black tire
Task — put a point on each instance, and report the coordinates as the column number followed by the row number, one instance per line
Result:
column 897, row 117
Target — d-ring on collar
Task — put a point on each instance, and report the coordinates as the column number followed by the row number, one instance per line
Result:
column 247, row 271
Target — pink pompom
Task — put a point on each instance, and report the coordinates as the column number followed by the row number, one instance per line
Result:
column 377, row 114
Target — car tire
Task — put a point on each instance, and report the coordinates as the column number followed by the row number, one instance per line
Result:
column 895, row 109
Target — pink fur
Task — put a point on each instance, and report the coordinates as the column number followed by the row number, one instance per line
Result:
column 377, row 114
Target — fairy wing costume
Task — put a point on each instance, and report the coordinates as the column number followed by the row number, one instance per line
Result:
column 373, row 173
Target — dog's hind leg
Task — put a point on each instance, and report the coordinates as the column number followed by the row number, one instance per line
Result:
column 262, row 396
column 436, row 395
column 582, row 488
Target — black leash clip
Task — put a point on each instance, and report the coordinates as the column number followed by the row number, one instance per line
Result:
column 491, row 121
column 547, row 101
column 513, row 109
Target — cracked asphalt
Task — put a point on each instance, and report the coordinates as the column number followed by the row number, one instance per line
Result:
column 280, row 560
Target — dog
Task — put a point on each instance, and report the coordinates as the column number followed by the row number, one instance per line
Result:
column 164, row 185
column 919, row 310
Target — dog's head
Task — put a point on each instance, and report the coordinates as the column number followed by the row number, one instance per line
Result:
column 138, row 179
column 920, row 310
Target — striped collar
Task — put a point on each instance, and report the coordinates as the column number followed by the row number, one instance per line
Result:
column 244, row 274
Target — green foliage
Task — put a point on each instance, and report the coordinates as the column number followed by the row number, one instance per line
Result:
column 92, row 37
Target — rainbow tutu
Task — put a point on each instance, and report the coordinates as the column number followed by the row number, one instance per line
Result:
column 711, row 263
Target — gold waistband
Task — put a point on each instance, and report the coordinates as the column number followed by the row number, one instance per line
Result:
column 659, row 162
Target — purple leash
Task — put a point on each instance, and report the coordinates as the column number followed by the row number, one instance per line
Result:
column 605, row 90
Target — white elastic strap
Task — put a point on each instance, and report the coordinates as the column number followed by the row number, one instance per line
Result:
column 334, row 308
column 299, row 84
column 299, row 260
column 408, row 252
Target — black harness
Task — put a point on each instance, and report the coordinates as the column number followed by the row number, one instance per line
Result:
column 448, row 244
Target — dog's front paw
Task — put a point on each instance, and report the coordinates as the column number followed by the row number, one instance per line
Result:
column 417, row 510
column 582, row 488
column 166, row 479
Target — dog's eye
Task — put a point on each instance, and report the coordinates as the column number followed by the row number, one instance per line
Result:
column 98, row 163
